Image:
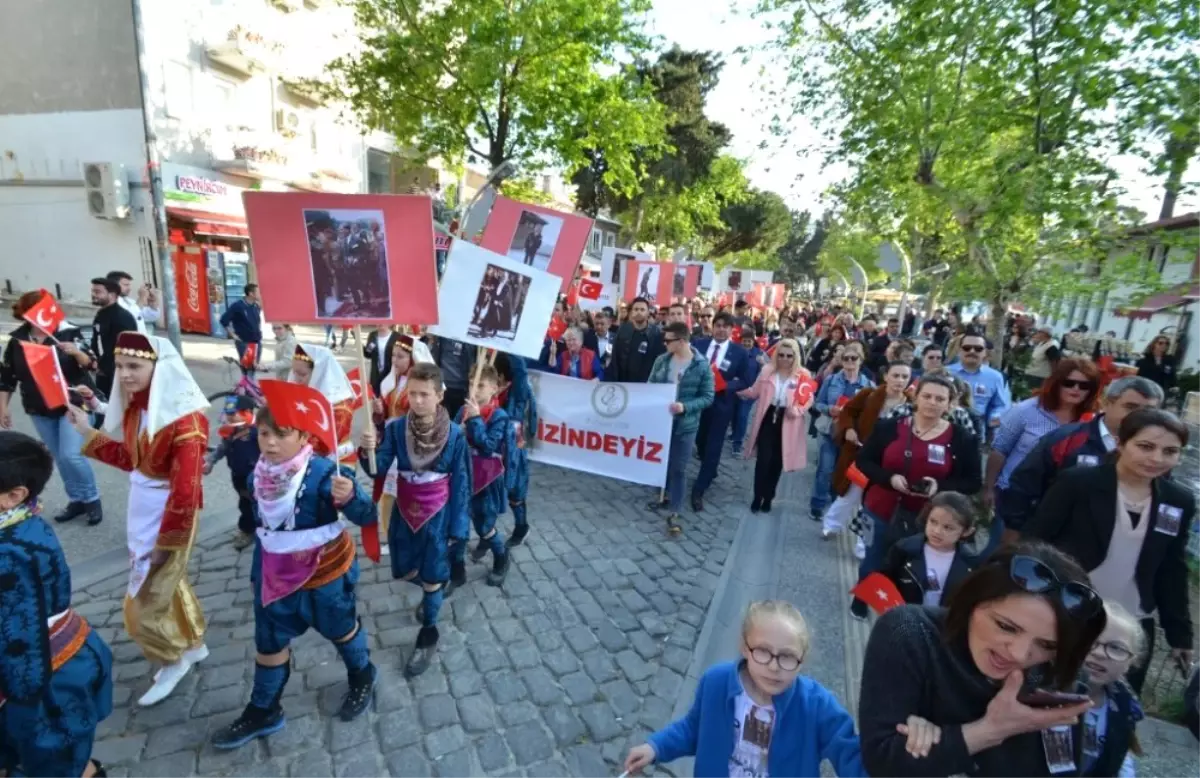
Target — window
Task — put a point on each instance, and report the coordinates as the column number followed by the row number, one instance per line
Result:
column 219, row 101
column 177, row 90
column 595, row 241
column 610, row 239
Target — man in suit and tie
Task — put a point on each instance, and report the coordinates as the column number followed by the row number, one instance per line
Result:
column 733, row 364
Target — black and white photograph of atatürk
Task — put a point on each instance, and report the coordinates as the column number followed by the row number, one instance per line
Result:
column 619, row 261
column 647, row 282
column 735, row 280
column 499, row 304
column 348, row 254
column 535, row 239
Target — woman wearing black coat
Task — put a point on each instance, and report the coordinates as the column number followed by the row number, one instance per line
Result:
column 1158, row 365
column 1128, row 525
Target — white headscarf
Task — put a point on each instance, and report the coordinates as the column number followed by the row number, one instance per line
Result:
column 328, row 378
column 173, row 393
column 420, row 353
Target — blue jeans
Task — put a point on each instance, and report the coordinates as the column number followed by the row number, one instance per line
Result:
column 741, row 421
column 65, row 442
column 876, row 548
column 823, row 484
column 677, row 461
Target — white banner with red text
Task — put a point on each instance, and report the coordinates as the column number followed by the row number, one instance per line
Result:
column 617, row 430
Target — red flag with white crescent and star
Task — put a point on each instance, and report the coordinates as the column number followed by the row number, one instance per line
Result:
column 590, row 289
column 45, row 314
column 879, row 592
column 356, row 383
column 299, row 407
column 47, row 374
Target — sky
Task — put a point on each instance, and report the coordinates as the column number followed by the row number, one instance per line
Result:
column 795, row 172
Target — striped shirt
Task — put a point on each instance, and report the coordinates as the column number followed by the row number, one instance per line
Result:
column 1021, row 427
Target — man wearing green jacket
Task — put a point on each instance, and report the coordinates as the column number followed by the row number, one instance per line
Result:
column 683, row 366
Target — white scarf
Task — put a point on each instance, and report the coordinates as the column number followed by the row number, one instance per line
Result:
column 328, row 377
column 173, row 393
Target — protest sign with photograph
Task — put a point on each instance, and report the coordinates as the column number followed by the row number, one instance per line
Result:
column 686, row 281
column 612, row 265
column 654, row 281
column 537, row 237
column 344, row 259
column 616, row 430
column 490, row 300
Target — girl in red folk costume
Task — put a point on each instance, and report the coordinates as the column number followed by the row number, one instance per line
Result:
column 317, row 368
column 155, row 429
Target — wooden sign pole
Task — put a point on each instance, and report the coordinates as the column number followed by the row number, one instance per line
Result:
column 364, row 373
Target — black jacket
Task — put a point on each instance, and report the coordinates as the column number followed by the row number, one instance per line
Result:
column 371, row 352
column 1124, row 713
column 1080, row 444
column 14, row 373
column 905, row 566
column 1077, row 516
column 1162, row 374
column 108, row 324
column 634, row 353
column 965, row 469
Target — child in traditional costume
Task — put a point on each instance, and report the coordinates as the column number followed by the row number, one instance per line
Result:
column 155, row 429
column 517, row 399
column 239, row 449
column 489, row 435
column 433, row 494
column 303, row 573
column 317, row 368
column 55, row 672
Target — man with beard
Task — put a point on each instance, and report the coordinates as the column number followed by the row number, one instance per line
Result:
column 639, row 342
column 110, row 321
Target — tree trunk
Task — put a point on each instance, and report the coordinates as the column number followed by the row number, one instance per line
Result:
column 1178, row 153
column 995, row 329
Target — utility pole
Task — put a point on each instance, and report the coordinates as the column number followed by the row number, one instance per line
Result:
column 158, row 207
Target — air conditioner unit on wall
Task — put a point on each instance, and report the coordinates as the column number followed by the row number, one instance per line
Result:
column 287, row 121
column 107, row 188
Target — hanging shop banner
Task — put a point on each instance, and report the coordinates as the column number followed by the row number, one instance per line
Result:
column 490, row 300
column 344, row 259
column 538, row 237
column 616, row 430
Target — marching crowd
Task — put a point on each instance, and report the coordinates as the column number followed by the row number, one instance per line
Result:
column 1034, row 548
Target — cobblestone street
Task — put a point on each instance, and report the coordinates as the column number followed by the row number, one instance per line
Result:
column 582, row 652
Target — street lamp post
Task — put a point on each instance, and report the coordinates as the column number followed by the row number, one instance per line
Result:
column 866, row 283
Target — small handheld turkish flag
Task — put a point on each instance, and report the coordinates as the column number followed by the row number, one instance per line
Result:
column 356, row 383
column 878, row 591
column 45, row 314
column 250, row 355
column 806, row 389
column 42, row 362
column 557, row 327
column 299, row 407
column 718, row 379
column 590, row 289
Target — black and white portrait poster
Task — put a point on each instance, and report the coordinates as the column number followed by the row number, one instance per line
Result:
column 612, row 264
column 491, row 300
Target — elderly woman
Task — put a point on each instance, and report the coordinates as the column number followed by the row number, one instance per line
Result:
column 777, row 430
column 575, row 360
column 1025, row 619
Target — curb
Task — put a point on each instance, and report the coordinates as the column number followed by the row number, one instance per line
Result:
column 854, row 631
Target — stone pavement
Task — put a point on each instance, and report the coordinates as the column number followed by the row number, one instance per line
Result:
column 580, row 655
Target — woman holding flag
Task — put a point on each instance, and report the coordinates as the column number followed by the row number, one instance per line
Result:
column 42, row 363
column 784, row 391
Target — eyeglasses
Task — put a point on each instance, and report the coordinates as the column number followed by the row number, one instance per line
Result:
column 669, row 341
column 1079, row 600
column 1118, row 652
column 970, row 349
column 850, row 358
column 1071, row 384
column 786, row 662
column 934, row 357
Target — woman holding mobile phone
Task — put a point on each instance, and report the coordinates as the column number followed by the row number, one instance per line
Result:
column 1025, row 619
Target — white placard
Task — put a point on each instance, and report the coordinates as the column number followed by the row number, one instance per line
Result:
column 612, row 265
column 617, row 430
column 490, row 300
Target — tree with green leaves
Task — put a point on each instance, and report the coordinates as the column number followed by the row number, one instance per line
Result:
column 534, row 83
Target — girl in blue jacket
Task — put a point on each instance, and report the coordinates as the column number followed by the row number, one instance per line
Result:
column 758, row 717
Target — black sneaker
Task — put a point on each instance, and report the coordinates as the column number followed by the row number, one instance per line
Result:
column 858, row 609
column 72, row 510
column 358, row 696
column 697, row 503
column 499, row 570
column 95, row 513
column 480, row 551
column 254, row 723
column 815, row 515
column 766, row 506
column 518, row 535
column 756, row 505
column 98, row 771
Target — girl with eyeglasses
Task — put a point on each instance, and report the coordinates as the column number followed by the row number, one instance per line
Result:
column 1024, row 620
column 758, row 716
column 1128, row 524
column 1158, row 364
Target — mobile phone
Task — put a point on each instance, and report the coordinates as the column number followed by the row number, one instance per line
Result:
column 1049, row 698
column 920, row 487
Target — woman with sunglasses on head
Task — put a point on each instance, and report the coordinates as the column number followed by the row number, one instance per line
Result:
column 1128, row 525
column 1066, row 395
column 1158, row 364
column 1023, row 621
column 777, row 429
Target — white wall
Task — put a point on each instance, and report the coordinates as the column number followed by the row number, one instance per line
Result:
column 52, row 238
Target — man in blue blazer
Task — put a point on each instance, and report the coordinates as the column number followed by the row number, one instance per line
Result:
column 734, row 365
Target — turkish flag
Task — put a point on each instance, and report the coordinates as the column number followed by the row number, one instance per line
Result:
column 42, row 362
column 718, row 379
column 573, row 295
column 806, row 389
column 878, row 591
column 356, row 383
column 590, row 289
column 250, row 355
column 299, row 407
column 557, row 327
column 857, row 477
column 45, row 314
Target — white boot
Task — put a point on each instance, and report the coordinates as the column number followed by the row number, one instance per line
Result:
column 196, row 655
column 165, row 682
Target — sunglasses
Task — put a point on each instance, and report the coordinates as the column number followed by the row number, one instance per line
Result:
column 1071, row 384
column 850, row 358
column 786, row 356
column 669, row 341
column 934, row 357
column 970, row 349
column 703, row 316
column 1080, row 601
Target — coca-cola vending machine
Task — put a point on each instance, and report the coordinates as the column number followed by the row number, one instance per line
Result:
column 192, row 289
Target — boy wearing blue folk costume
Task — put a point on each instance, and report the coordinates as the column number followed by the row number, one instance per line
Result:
column 489, row 436
column 55, row 672
column 433, row 495
column 303, row 573
column 520, row 405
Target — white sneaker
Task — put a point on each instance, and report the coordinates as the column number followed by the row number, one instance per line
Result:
column 860, row 549
column 165, row 682
column 196, row 655
column 383, row 549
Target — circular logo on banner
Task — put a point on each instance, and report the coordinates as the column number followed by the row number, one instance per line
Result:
column 610, row 400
